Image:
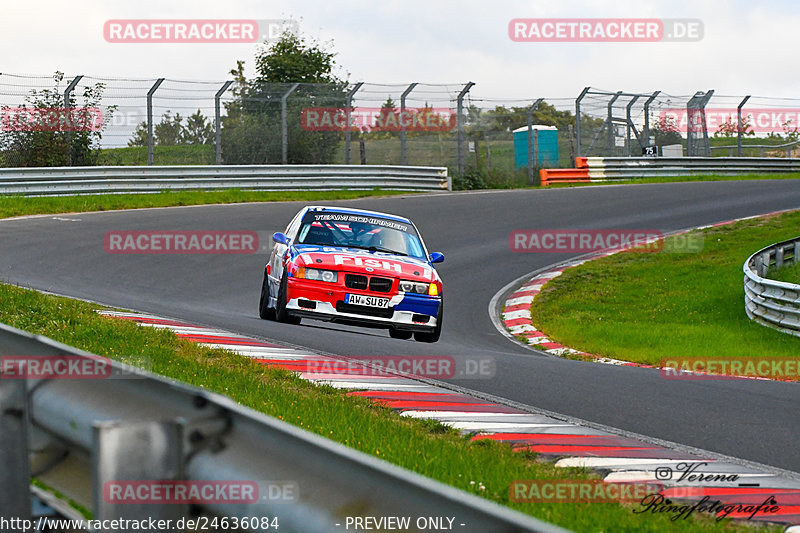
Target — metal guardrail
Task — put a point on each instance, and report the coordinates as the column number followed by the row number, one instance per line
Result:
column 75, row 435
column 609, row 168
column 788, row 147
column 143, row 179
column 775, row 304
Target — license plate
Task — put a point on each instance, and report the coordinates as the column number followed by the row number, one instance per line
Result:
column 369, row 301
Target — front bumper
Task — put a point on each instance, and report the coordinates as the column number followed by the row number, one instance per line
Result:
column 409, row 312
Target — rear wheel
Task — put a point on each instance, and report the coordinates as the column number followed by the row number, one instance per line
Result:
column 435, row 333
column 281, row 314
column 399, row 334
column 264, row 311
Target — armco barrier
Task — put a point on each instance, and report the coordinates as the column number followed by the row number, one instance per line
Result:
column 143, row 179
column 597, row 169
column 75, row 435
column 775, row 304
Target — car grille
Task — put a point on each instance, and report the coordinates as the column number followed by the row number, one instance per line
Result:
column 354, row 281
column 380, row 284
column 362, row 310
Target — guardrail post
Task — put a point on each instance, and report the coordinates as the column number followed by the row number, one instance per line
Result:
column 347, row 110
column 739, row 126
column 533, row 158
column 135, row 451
column 218, row 122
column 67, row 94
column 285, row 126
column 578, row 120
column 646, row 132
column 696, row 112
column 460, row 126
column 150, row 93
column 15, row 499
column 403, row 96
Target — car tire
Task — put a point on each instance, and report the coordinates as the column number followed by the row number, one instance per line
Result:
column 264, row 311
column 433, row 335
column 400, row 334
column 281, row 314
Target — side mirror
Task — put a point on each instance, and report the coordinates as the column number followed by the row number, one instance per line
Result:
column 280, row 238
column 436, row 257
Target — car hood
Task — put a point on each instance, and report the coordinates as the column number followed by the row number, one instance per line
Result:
column 364, row 261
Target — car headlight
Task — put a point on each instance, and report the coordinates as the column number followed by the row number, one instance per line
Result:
column 317, row 274
column 413, row 286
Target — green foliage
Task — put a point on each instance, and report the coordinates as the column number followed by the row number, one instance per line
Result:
column 56, row 146
column 251, row 131
column 473, row 178
column 171, row 131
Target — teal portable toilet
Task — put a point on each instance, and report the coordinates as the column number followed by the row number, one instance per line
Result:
column 547, row 137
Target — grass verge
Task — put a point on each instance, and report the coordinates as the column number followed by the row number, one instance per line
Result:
column 645, row 307
column 11, row 206
column 482, row 467
column 788, row 273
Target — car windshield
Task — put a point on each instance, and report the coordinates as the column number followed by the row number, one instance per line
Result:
column 360, row 231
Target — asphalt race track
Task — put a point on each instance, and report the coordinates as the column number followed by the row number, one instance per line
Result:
column 753, row 420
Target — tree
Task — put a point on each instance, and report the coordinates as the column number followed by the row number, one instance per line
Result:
column 47, row 131
column 170, row 131
column 251, row 129
column 198, row 129
column 729, row 128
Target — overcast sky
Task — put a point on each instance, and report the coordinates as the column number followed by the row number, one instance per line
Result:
column 748, row 47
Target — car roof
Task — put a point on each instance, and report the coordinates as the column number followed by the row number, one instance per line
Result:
column 351, row 211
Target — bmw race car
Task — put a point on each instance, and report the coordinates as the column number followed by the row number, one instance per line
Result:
column 354, row 267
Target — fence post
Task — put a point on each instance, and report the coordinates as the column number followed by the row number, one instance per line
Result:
column 740, row 126
column 403, row 158
column 460, row 126
column 347, row 109
column 218, row 122
column 628, row 124
column 646, row 132
column 531, row 158
column 578, row 119
column 67, row 93
column 150, row 93
column 611, row 129
column 285, row 127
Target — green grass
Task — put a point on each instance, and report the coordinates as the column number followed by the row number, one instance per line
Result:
column 11, row 206
column 789, row 273
column 422, row 446
column 645, row 307
column 190, row 154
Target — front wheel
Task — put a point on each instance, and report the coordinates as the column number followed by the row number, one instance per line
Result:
column 435, row 333
column 264, row 311
column 281, row 314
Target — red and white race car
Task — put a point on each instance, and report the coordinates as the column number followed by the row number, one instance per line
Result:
column 355, row 267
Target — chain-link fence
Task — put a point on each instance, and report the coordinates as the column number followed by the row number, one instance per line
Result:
column 178, row 122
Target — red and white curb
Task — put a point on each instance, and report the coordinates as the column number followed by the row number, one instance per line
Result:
column 619, row 459
column 516, row 315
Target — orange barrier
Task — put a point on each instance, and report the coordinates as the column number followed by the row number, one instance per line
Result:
column 581, row 162
column 563, row 175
